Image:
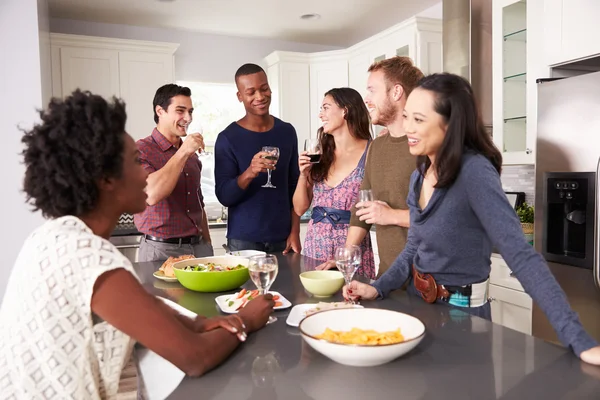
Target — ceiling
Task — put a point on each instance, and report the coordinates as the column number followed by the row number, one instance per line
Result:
column 342, row 22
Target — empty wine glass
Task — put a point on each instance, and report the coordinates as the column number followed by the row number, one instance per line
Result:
column 347, row 260
column 313, row 150
column 203, row 151
column 263, row 271
column 365, row 195
column 273, row 154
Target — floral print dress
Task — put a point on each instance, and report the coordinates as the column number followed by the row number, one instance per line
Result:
column 322, row 238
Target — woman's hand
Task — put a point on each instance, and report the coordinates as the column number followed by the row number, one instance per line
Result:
column 358, row 290
column 304, row 164
column 255, row 313
column 591, row 356
column 326, row 265
column 231, row 323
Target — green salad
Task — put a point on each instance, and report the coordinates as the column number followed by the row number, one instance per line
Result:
column 211, row 267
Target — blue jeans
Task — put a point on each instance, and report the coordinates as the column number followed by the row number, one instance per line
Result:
column 484, row 311
column 269, row 247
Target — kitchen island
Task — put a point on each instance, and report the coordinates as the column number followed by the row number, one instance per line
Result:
column 461, row 356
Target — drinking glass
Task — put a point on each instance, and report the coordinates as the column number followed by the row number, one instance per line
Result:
column 347, row 260
column 263, row 271
column 273, row 154
column 203, row 152
column 313, row 150
column 365, row 195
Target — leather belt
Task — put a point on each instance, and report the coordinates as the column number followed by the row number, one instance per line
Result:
column 180, row 241
column 430, row 291
column 332, row 215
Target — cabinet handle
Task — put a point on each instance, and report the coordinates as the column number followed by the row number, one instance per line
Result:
column 128, row 246
column 511, row 273
column 490, row 299
column 528, row 151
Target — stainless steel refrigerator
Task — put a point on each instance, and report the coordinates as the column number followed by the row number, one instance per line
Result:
column 567, row 195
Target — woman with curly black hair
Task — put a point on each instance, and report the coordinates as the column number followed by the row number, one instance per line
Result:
column 74, row 306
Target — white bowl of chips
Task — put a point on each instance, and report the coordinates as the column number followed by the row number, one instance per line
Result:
column 362, row 337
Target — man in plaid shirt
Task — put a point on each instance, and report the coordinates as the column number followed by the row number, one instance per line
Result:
column 174, row 223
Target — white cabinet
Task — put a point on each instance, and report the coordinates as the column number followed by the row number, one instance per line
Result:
column 510, row 59
column 511, row 306
column 299, row 80
column 571, row 28
column 96, row 70
column 289, row 78
column 129, row 69
column 140, row 74
column 327, row 71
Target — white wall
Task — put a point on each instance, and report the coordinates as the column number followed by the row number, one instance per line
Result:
column 201, row 57
column 435, row 11
column 21, row 88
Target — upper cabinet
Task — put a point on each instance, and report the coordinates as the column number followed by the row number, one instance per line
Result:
column 129, row 69
column 295, row 77
column 511, row 129
column 571, row 30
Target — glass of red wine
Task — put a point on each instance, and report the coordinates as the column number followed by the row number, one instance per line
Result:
column 313, row 150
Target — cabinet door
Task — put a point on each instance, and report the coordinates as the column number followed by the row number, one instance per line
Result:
column 140, row 75
column 511, row 309
column 218, row 237
column 358, row 66
column 96, row 70
column 580, row 29
column 294, row 98
column 552, row 30
column 323, row 77
column 509, row 44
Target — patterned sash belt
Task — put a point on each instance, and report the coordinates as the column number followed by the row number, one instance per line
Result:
column 333, row 216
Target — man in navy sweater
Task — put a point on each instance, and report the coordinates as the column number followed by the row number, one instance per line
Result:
column 259, row 218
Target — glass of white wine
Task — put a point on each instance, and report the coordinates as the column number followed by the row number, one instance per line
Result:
column 263, row 271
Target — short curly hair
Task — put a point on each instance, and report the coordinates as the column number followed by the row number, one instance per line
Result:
column 80, row 140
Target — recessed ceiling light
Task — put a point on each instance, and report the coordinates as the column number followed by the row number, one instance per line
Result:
column 310, row 17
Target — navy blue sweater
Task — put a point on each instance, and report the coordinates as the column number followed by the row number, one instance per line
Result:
column 257, row 214
column 452, row 240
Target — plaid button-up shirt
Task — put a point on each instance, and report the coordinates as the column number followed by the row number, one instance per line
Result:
column 179, row 214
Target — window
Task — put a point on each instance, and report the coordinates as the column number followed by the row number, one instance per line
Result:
column 215, row 107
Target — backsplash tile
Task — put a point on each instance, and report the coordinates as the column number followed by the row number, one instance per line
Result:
column 519, row 178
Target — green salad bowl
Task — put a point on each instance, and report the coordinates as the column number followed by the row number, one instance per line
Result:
column 212, row 281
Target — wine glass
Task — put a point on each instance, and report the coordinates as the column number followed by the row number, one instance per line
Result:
column 263, row 271
column 273, row 154
column 203, row 152
column 347, row 260
column 313, row 150
column 365, row 195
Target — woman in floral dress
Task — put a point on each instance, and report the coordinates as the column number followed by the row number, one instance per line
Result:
column 332, row 185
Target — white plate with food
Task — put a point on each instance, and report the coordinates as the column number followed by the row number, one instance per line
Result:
column 232, row 303
column 165, row 272
column 301, row 311
column 161, row 275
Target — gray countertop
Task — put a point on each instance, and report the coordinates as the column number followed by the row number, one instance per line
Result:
column 461, row 356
